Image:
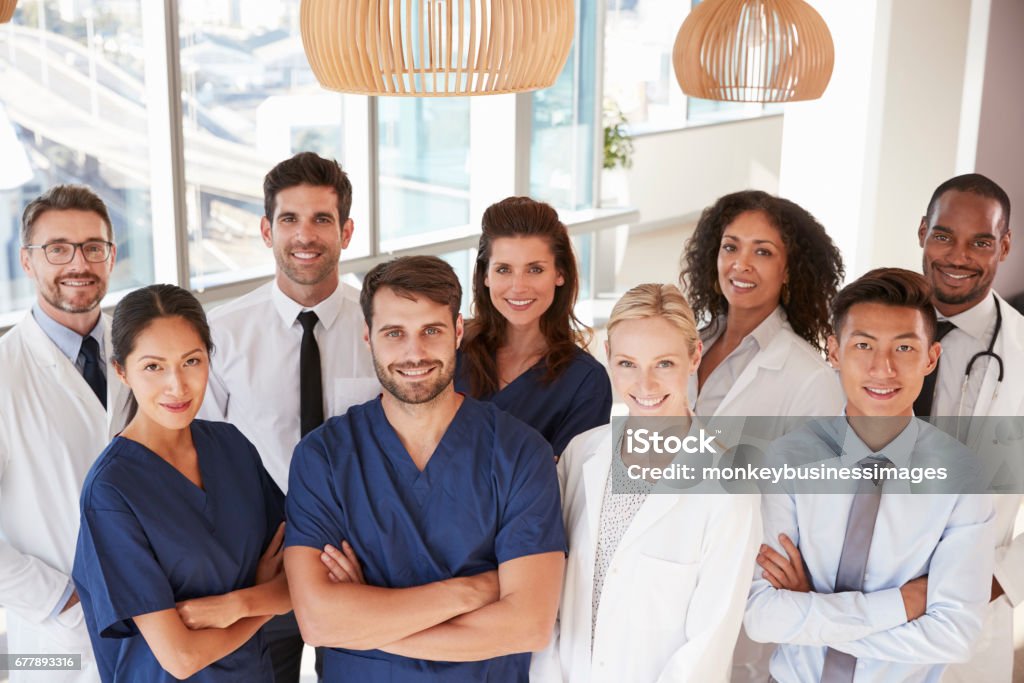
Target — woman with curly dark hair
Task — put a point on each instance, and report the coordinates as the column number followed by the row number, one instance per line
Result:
column 524, row 348
column 761, row 271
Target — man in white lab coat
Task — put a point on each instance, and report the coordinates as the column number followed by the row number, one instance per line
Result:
column 57, row 413
column 965, row 234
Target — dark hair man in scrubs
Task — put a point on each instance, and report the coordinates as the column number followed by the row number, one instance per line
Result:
column 443, row 511
column 57, row 413
column 903, row 592
column 965, row 235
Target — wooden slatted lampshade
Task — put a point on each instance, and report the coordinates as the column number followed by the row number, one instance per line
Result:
column 754, row 51
column 7, row 10
column 436, row 47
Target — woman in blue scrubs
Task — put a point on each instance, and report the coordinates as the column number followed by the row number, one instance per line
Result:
column 524, row 349
column 178, row 562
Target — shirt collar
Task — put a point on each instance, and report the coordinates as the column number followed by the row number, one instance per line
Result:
column 67, row 340
column 898, row 451
column 327, row 311
column 976, row 320
column 762, row 335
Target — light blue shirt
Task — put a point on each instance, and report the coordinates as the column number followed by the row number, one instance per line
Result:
column 946, row 536
column 68, row 341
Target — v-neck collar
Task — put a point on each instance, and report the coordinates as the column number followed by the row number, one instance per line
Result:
column 200, row 493
column 421, row 481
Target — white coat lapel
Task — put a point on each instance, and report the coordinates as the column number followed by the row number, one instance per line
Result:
column 595, row 477
column 52, row 362
column 117, row 392
column 768, row 359
column 654, row 508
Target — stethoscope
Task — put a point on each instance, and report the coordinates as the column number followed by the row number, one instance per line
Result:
column 987, row 353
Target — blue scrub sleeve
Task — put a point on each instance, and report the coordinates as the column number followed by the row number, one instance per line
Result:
column 531, row 519
column 591, row 406
column 312, row 509
column 119, row 572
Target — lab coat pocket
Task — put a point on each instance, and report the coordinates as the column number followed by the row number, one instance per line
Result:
column 663, row 589
column 351, row 391
column 70, row 627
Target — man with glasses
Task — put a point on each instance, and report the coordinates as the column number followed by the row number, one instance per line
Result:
column 57, row 413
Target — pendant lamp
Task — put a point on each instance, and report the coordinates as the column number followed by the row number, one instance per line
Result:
column 436, row 48
column 754, row 51
column 7, row 10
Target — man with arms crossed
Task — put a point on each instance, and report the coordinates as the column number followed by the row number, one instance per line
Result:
column 291, row 352
column 965, row 234
column 902, row 592
column 57, row 413
column 445, row 509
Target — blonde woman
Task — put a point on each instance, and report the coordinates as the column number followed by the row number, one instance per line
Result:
column 656, row 581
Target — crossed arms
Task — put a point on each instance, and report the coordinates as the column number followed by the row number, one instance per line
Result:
column 496, row 613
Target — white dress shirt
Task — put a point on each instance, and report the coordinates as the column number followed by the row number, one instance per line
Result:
column 254, row 378
column 949, row 537
column 972, row 334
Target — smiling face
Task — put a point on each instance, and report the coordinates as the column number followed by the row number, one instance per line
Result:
column 521, row 278
column 752, row 263
column 964, row 242
column 167, row 372
column 74, row 289
column 883, row 354
column 413, row 344
column 307, row 237
column 649, row 366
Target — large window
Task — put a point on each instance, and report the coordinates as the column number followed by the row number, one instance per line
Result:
column 639, row 79
column 73, row 109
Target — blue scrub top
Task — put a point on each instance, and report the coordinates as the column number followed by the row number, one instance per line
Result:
column 579, row 400
column 488, row 494
column 151, row 538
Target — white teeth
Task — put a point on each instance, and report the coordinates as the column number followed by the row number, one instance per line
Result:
column 880, row 392
column 76, row 283
column 649, row 402
column 957, row 277
column 305, row 254
column 520, row 302
column 742, row 285
column 415, row 373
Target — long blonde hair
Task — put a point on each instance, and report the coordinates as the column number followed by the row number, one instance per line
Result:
column 656, row 300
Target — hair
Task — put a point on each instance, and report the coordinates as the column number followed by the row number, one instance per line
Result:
column 813, row 262
column 411, row 277
column 890, row 287
column 657, row 301
column 63, row 198
column 139, row 309
column 486, row 332
column 975, row 183
column 307, row 168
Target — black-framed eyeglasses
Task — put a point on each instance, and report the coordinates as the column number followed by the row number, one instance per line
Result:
column 62, row 253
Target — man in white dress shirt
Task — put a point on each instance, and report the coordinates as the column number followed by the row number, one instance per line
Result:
column 965, row 234
column 903, row 591
column 291, row 352
column 54, row 421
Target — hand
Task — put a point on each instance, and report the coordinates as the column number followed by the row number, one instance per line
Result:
column 73, row 600
column 781, row 572
column 342, row 565
column 272, row 561
column 215, row 611
column 915, row 597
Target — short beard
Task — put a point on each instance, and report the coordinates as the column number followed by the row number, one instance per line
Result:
column 403, row 395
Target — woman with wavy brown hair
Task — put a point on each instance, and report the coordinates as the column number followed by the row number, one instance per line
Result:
column 524, row 348
column 761, row 271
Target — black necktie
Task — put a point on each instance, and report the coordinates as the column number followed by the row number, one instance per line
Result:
column 311, row 393
column 92, row 370
column 923, row 404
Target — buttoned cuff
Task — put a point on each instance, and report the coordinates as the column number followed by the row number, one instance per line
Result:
column 886, row 608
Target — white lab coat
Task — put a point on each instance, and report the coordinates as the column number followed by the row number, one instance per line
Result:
column 993, row 654
column 674, row 596
column 52, row 428
column 788, row 379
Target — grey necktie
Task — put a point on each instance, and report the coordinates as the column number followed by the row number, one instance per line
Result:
column 860, row 527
